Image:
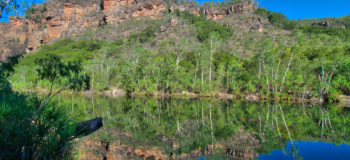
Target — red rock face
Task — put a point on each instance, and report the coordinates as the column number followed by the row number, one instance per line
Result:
column 13, row 37
column 240, row 8
column 117, row 11
column 72, row 17
column 58, row 21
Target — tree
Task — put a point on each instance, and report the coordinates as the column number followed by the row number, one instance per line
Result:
column 6, row 70
column 214, row 43
column 11, row 5
column 6, row 5
column 3, row 5
column 52, row 68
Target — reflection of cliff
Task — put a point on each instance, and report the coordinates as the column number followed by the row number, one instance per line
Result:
column 54, row 20
column 241, row 146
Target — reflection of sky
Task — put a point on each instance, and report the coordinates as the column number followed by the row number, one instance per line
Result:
column 310, row 151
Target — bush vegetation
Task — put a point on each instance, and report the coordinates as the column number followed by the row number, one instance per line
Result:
column 276, row 19
column 33, row 127
column 201, row 57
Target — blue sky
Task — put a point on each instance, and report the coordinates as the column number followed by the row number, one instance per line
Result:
column 299, row 9
column 25, row 4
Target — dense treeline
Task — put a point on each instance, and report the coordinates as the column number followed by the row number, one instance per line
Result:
column 200, row 57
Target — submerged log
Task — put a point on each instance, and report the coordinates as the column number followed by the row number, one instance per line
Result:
column 88, row 127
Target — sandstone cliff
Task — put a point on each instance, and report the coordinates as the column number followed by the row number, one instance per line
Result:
column 57, row 19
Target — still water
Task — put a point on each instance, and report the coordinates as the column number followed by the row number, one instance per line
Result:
column 215, row 129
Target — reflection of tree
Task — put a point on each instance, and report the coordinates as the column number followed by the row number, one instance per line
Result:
column 325, row 122
column 183, row 125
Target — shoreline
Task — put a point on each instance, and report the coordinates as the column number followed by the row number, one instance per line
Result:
column 185, row 94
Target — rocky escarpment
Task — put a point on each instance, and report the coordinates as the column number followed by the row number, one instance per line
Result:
column 46, row 23
column 57, row 19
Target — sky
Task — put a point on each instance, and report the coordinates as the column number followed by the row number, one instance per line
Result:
column 302, row 9
column 298, row 9
column 23, row 4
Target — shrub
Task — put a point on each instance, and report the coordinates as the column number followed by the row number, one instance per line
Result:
column 26, row 133
column 46, row 135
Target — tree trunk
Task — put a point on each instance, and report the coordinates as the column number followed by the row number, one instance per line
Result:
column 211, row 59
column 177, row 63
column 195, row 73
column 285, row 124
column 2, row 7
column 259, row 75
column 92, row 80
column 276, row 75
column 202, row 72
column 267, row 78
column 211, row 128
column 285, row 73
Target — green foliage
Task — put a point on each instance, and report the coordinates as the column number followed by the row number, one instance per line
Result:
column 13, row 7
column 341, row 81
column 204, row 26
column 206, row 68
column 26, row 133
column 67, row 49
column 203, row 57
column 51, row 67
column 47, row 136
column 146, row 35
column 163, row 122
column 6, row 71
column 30, row 11
column 34, row 13
column 343, row 33
column 276, row 19
column 207, row 27
column 43, row 9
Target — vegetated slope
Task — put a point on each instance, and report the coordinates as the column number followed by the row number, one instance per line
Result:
column 251, row 54
column 56, row 19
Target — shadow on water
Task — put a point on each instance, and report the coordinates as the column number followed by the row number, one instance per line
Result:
column 137, row 128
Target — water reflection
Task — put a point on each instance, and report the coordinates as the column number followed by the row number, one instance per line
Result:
column 308, row 150
column 194, row 128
